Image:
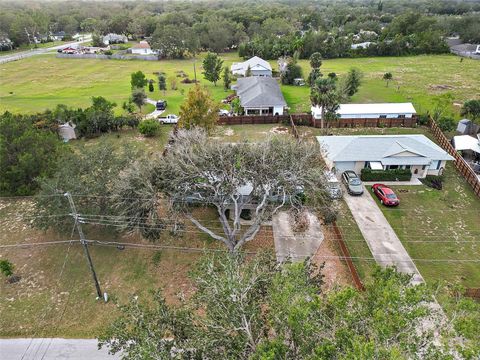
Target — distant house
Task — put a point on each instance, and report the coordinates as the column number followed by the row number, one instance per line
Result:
column 67, row 131
column 69, row 50
column 477, row 50
column 114, row 39
column 258, row 67
column 58, row 36
column 383, row 152
column 260, row 95
column 371, row 111
column 362, row 45
column 142, row 48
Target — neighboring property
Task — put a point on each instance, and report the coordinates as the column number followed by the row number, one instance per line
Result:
column 371, row 111
column 477, row 50
column 469, row 146
column 384, row 152
column 258, row 67
column 260, row 96
column 142, row 48
column 58, row 36
column 5, row 43
column 67, row 132
column 114, row 39
column 362, row 45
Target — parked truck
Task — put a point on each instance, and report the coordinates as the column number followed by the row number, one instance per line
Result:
column 169, row 119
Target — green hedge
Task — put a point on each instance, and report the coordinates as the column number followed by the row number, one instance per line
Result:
column 386, row 175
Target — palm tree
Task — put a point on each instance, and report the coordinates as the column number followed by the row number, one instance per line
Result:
column 387, row 77
column 324, row 94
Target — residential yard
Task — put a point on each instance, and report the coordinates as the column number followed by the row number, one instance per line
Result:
column 56, row 295
column 42, row 82
column 440, row 225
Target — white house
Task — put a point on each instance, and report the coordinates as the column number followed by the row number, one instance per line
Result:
column 142, row 48
column 383, row 152
column 362, row 45
column 114, row 39
column 477, row 50
column 370, row 111
column 258, row 67
column 260, row 95
column 67, row 131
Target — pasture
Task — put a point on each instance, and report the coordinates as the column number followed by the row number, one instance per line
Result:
column 42, row 82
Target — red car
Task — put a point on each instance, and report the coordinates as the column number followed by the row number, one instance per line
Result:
column 386, row 195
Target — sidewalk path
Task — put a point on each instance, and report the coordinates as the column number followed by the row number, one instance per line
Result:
column 384, row 244
column 53, row 349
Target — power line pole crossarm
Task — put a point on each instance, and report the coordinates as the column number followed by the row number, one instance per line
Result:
column 84, row 244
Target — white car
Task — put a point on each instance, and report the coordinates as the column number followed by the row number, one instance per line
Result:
column 169, row 119
column 223, row 112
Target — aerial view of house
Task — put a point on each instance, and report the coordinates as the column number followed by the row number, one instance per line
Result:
column 241, row 180
column 384, row 152
column 260, row 95
column 258, row 67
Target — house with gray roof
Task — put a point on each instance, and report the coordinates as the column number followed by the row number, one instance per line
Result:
column 260, row 96
column 383, row 152
column 258, row 67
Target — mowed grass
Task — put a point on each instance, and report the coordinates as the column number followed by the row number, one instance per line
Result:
column 42, row 82
column 442, row 226
column 416, row 79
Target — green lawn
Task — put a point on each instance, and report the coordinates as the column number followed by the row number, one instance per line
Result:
column 440, row 225
column 42, row 82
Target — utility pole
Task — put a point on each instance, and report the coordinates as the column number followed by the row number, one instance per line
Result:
column 84, row 244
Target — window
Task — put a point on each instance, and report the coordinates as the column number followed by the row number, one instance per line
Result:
column 383, row 116
column 408, row 166
column 435, row 165
column 401, row 116
column 393, row 167
column 424, row 167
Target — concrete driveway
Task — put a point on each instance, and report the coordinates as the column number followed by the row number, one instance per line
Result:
column 53, row 349
column 384, row 244
column 296, row 246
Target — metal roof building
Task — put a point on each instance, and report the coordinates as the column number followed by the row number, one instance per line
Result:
column 382, row 152
column 372, row 111
column 260, row 95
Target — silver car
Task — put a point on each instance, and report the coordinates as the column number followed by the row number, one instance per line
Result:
column 352, row 183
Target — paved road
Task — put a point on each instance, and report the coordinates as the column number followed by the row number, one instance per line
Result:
column 25, row 54
column 297, row 246
column 384, row 244
column 52, row 349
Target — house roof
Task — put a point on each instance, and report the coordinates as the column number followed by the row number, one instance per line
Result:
column 466, row 142
column 257, row 91
column 388, row 149
column 379, row 108
column 255, row 63
column 141, row 45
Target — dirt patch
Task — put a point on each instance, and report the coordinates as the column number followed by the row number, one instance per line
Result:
column 335, row 270
column 441, row 87
column 279, row 130
column 228, row 132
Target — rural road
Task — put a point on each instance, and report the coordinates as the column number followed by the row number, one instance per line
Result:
column 24, row 54
column 52, row 349
column 386, row 247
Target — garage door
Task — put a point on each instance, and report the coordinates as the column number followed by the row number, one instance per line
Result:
column 344, row 165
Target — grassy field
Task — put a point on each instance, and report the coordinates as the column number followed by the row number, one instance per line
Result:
column 440, row 225
column 42, row 82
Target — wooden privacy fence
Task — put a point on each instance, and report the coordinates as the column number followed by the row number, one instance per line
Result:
column 461, row 165
column 347, row 257
column 305, row 119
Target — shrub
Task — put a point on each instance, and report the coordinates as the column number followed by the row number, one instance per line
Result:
column 6, row 267
column 446, row 123
column 149, row 128
column 386, row 175
column 433, row 181
column 108, row 52
column 422, row 119
column 157, row 256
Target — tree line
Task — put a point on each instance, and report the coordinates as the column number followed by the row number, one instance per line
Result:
column 267, row 29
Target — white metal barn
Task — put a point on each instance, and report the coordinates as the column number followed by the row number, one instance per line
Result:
column 371, row 111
